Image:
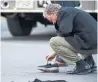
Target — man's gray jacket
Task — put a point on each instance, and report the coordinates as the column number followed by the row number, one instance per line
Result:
column 79, row 29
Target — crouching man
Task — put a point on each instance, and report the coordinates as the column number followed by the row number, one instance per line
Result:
column 76, row 33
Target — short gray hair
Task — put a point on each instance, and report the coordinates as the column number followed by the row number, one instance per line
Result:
column 51, row 9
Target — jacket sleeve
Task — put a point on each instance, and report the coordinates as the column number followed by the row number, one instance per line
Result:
column 66, row 24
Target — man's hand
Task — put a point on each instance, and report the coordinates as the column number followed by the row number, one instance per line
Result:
column 51, row 56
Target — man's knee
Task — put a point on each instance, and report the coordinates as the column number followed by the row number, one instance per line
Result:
column 58, row 41
column 54, row 41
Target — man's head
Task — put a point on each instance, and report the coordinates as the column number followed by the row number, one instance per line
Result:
column 51, row 11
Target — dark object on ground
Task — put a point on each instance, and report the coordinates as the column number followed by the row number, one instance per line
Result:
column 37, row 80
column 49, row 70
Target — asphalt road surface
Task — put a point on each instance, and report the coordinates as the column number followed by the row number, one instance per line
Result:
column 20, row 57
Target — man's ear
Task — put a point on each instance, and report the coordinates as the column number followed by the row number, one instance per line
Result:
column 54, row 14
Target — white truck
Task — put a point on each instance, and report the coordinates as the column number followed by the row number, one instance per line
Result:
column 23, row 15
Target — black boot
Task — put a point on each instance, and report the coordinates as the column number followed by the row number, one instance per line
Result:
column 81, row 68
column 91, row 62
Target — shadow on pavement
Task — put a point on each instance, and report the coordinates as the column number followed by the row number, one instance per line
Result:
column 34, row 37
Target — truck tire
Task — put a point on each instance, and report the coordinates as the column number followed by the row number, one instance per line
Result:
column 19, row 26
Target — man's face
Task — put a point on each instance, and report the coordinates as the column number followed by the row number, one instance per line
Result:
column 52, row 18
